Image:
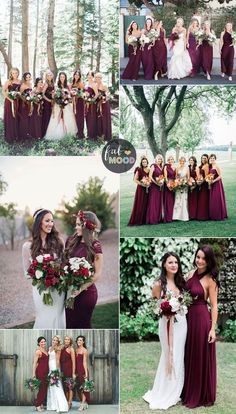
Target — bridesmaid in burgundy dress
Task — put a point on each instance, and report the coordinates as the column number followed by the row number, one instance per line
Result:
column 227, row 52
column 84, row 244
column 169, row 196
column 200, row 351
column 193, row 191
column 147, row 53
column 67, row 362
column 48, row 100
column 217, row 204
column 155, row 199
column 192, row 47
column 131, row 71
column 35, row 124
column 40, row 371
column 207, row 51
column 104, row 110
column 138, row 215
column 91, row 94
column 24, row 107
column 11, row 117
column 203, row 192
column 78, row 87
column 82, row 370
column 160, row 52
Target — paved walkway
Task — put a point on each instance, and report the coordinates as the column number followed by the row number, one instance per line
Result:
column 16, row 302
column 93, row 409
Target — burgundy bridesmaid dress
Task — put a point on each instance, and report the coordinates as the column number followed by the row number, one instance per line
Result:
column 24, row 118
column 203, row 199
column 138, row 215
column 131, row 71
column 11, row 116
column 227, row 55
column 79, row 116
column 193, row 198
column 66, row 364
column 35, row 122
column 104, row 117
column 169, row 197
column 206, row 57
column 80, row 374
column 91, row 115
column 194, row 54
column 84, row 304
column 200, row 356
column 147, row 61
column 155, row 199
column 217, row 204
column 41, row 374
column 160, row 55
column 47, row 109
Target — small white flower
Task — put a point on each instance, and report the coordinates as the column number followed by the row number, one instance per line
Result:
column 39, row 258
column 38, row 274
column 175, row 305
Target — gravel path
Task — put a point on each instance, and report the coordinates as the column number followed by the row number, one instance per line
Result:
column 16, row 303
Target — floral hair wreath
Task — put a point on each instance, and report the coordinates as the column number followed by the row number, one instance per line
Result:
column 85, row 222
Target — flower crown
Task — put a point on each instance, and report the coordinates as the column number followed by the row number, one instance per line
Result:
column 85, row 222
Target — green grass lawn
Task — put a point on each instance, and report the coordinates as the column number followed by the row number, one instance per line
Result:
column 104, row 317
column 225, row 228
column 138, row 367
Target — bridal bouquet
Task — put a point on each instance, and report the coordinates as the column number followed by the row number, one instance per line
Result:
column 62, row 97
column 146, row 182
column 152, row 35
column 180, row 184
column 87, row 386
column 160, row 181
column 45, row 272
column 170, row 305
column 32, row 384
column 78, row 272
column 69, row 383
column 144, row 40
column 54, row 377
column 209, row 179
column 133, row 41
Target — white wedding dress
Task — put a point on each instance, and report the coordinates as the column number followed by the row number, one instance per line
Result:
column 62, row 122
column 180, row 211
column 46, row 316
column 180, row 64
column 166, row 389
column 56, row 400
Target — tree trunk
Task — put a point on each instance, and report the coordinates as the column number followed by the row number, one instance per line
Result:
column 36, row 41
column 92, row 53
column 79, row 33
column 25, row 46
column 113, row 73
column 149, row 127
column 50, row 41
column 99, row 43
column 10, row 35
column 5, row 55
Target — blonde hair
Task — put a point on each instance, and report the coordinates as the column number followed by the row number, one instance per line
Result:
column 182, row 158
column 58, row 348
column 70, row 338
column 10, row 73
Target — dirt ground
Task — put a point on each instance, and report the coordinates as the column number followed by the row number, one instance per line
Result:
column 16, row 303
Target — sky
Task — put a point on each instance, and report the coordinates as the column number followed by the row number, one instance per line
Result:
column 43, row 181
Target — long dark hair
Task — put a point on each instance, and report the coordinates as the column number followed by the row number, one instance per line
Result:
column 24, row 76
column 37, row 80
column 53, row 242
column 204, row 155
column 145, row 26
column 84, row 339
column 195, row 163
column 130, row 28
column 212, row 267
column 80, row 76
column 178, row 278
column 141, row 162
column 59, row 84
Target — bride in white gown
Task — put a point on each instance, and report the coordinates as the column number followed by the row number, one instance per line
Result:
column 62, row 121
column 180, row 211
column 169, row 378
column 180, row 64
column 56, row 400
column 45, row 239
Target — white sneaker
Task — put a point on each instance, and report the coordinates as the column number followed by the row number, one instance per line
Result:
column 208, row 76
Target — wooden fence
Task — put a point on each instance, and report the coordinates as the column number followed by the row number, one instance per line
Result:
column 17, row 349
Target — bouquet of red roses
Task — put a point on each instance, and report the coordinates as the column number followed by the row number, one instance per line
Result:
column 45, row 272
column 54, row 377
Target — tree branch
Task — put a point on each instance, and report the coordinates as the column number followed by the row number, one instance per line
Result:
column 178, row 109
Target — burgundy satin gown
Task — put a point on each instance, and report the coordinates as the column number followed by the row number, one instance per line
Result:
column 11, row 116
column 41, row 374
column 24, row 119
column 203, row 199
column 131, row 71
column 147, row 61
column 84, row 304
column 35, row 122
column 169, row 196
column 104, row 117
column 66, row 364
column 80, row 374
column 160, row 55
column 200, row 356
column 206, row 57
column 138, row 215
column 79, row 116
column 91, row 115
column 155, row 199
column 47, row 109
column 194, row 53
column 217, row 204
column 227, row 55
column 193, row 198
